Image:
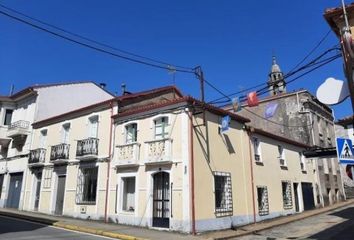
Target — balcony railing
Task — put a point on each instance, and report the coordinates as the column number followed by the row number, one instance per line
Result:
column 18, row 128
column 128, row 154
column 87, row 148
column 59, row 152
column 159, row 150
column 37, row 156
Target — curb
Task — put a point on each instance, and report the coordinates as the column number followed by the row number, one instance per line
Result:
column 64, row 225
column 283, row 223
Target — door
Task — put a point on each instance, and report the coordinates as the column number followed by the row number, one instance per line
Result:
column 307, row 194
column 38, row 190
column 14, row 190
column 161, row 200
column 296, row 195
column 60, row 195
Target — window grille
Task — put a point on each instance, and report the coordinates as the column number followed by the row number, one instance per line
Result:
column 87, row 185
column 47, row 178
column 223, row 193
column 287, row 198
column 263, row 203
column 257, row 152
column 281, row 156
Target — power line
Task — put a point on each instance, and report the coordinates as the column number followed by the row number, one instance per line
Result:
column 156, row 65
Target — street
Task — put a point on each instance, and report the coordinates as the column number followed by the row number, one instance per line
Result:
column 11, row 228
column 337, row 224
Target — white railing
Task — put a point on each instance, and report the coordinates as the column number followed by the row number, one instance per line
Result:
column 127, row 154
column 20, row 127
column 158, row 150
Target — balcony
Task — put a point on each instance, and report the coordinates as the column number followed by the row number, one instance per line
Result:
column 159, row 151
column 87, row 149
column 36, row 157
column 59, row 153
column 128, row 155
column 18, row 128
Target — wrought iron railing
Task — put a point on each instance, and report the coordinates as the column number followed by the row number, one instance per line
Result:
column 88, row 146
column 37, row 156
column 60, row 151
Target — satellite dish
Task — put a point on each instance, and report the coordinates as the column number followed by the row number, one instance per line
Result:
column 332, row 91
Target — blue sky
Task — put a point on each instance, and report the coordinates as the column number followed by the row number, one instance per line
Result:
column 233, row 41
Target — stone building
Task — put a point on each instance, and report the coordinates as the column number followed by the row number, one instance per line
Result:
column 299, row 116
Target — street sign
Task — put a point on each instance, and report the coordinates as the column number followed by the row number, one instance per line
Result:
column 345, row 150
column 225, row 121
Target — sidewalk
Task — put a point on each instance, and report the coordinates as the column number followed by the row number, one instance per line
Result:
column 132, row 232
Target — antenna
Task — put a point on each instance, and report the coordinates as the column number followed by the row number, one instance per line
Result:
column 12, row 89
column 346, row 28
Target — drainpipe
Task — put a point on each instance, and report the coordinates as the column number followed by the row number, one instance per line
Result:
column 191, row 161
column 252, row 178
column 108, row 165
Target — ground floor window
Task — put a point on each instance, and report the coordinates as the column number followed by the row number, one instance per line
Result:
column 223, row 193
column 262, row 195
column 87, row 185
column 128, row 194
column 287, row 197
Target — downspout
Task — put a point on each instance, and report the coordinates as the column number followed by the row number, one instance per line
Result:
column 252, row 178
column 191, row 161
column 108, row 164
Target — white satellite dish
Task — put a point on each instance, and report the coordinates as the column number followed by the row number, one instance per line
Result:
column 332, row 91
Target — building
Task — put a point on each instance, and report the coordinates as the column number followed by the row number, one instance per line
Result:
column 299, row 116
column 344, row 129
column 18, row 112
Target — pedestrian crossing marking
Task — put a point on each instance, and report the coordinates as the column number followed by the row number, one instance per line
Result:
column 345, row 150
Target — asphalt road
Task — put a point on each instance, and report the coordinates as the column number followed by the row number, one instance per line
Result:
column 17, row 229
column 336, row 225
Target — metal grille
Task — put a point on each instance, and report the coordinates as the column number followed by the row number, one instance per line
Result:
column 87, row 185
column 287, row 198
column 223, row 193
column 263, row 203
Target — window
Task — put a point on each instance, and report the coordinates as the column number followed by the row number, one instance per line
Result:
column 281, row 156
column 8, row 116
column 257, row 150
column 128, row 194
column 302, row 161
column 223, row 193
column 87, row 185
column 93, row 126
column 287, row 198
column 43, row 138
column 65, row 133
column 263, row 205
column 47, row 178
column 161, row 131
column 131, row 133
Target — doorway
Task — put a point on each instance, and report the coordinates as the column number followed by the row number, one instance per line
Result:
column 307, row 194
column 296, row 195
column 161, row 200
column 59, row 203
column 37, row 195
column 15, row 187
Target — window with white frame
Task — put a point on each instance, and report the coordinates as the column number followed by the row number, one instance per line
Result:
column 87, row 185
column 131, row 133
column 302, row 161
column 281, row 156
column 128, row 194
column 93, row 126
column 65, row 128
column 43, row 138
column 257, row 150
column 286, row 192
column 161, row 127
column 223, row 193
column 47, row 178
column 263, row 203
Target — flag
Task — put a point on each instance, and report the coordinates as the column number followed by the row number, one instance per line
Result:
column 270, row 109
column 236, row 105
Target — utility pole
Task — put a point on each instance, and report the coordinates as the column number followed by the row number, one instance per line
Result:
column 200, row 75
